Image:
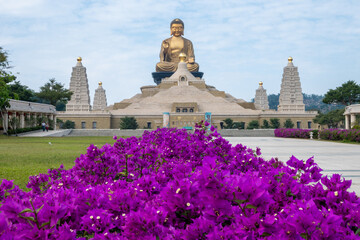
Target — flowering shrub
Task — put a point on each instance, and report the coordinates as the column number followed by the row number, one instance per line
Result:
column 338, row 134
column 292, row 133
column 326, row 134
column 172, row 184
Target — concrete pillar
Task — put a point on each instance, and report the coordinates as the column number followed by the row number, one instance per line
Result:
column 14, row 116
column 29, row 117
column 51, row 118
column 352, row 120
column 54, row 118
column 6, row 122
column 347, row 122
column 22, row 120
column 35, row 119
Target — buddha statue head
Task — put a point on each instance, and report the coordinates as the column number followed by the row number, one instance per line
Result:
column 177, row 27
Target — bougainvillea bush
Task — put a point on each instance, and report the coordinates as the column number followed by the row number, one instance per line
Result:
column 172, row 184
column 352, row 135
column 292, row 133
column 341, row 134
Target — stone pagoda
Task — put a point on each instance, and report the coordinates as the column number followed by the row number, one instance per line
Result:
column 80, row 100
column 291, row 98
column 261, row 98
column 100, row 102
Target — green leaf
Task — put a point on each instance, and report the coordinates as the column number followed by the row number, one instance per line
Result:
column 265, row 234
column 26, row 210
column 28, row 218
column 251, row 206
column 304, row 235
column 288, row 193
column 44, row 224
column 357, row 232
column 38, row 210
column 238, row 201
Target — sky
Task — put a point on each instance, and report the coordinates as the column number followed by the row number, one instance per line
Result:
column 237, row 43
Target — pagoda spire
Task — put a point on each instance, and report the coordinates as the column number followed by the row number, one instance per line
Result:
column 261, row 98
column 79, row 86
column 100, row 102
column 291, row 97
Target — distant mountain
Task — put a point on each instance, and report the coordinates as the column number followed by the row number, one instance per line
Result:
column 311, row 101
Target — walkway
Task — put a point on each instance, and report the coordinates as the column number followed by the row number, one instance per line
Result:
column 50, row 133
column 332, row 157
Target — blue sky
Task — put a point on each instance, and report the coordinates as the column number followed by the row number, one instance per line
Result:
column 237, row 43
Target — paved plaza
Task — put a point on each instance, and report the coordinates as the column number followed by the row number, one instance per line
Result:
column 332, row 157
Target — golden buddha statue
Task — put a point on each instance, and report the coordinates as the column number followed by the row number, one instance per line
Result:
column 172, row 47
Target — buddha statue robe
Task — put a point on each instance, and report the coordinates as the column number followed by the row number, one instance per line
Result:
column 169, row 54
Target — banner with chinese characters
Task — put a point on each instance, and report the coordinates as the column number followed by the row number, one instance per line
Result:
column 166, row 120
column 208, row 118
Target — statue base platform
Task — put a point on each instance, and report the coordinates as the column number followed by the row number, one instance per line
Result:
column 158, row 76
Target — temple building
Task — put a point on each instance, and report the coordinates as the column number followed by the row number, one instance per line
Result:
column 182, row 100
column 291, row 97
column 80, row 100
column 181, row 97
column 261, row 99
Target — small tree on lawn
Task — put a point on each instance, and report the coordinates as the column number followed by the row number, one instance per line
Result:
column 254, row 124
column 128, row 123
column 265, row 124
column 239, row 125
column 68, row 125
column 275, row 123
column 228, row 123
column 288, row 123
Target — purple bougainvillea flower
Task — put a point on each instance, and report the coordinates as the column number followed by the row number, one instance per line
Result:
column 173, row 184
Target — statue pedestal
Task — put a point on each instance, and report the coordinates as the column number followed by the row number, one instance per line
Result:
column 158, row 76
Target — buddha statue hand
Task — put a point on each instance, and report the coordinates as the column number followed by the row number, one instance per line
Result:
column 191, row 60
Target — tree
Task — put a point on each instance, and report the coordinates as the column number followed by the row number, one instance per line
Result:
column 239, row 125
column 348, row 93
column 230, row 124
column 60, row 106
column 128, row 123
column 273, row 101
column 21, row 92
column 6, row 77
column 332, row 119
column 288, row 123
column 253, row 124
column 68, row 125
column 54, row 92
column 265, row 124
column 274, row 122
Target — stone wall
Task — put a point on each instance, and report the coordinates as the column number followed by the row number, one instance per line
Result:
column 102, row 122
column 139, row 132
column 180, row 120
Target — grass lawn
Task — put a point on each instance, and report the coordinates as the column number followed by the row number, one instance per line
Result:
column 21, row 157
